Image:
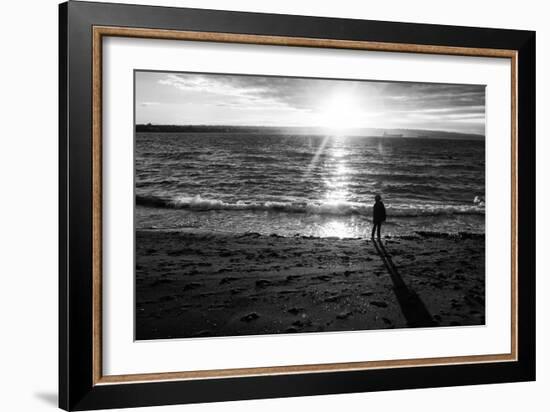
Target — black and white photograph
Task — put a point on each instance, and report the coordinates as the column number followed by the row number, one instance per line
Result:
column 215, row 206
column 276, row 205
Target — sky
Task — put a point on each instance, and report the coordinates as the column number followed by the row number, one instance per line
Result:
column 223, row 99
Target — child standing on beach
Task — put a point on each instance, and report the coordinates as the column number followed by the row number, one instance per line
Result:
column 378, row 215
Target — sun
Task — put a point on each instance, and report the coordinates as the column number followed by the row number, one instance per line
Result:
column 340, row 112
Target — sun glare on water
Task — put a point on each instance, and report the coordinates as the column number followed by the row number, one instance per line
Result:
column 337, row 114
column 337, row 229
column 337, row 194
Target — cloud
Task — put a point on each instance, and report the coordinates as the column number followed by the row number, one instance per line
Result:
column 285, row 100
column 235, row 90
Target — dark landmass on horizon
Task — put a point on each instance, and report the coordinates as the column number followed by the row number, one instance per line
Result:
column 366, row 132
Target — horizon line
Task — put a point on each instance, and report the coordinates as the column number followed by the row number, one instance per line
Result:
column 343, row 130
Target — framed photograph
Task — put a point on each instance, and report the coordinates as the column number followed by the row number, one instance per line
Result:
column 257, row 205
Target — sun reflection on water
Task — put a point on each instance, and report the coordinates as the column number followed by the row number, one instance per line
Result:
column 337, row 183
column 337, row 194
column 335, row 228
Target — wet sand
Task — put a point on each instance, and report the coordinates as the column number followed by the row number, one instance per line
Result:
column 204, row 284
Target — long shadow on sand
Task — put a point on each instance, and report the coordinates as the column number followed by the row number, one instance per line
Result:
column 413, row 308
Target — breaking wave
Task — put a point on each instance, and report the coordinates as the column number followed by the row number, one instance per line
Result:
column 198, row 203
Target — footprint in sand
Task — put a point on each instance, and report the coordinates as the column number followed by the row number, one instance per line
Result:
column 192, row 285
column 250, row 317
column 262, row 283
column 379, row 304
column 295, row 311
column 227, row 280
column 343, row 315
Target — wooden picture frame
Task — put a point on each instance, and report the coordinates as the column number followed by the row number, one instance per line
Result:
column 82, row 384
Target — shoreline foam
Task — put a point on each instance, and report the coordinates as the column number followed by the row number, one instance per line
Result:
column 342, row 208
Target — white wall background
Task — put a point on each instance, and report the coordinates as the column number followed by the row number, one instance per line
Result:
column 28, row 203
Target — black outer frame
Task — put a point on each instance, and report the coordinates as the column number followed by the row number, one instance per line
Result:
column 76, row 389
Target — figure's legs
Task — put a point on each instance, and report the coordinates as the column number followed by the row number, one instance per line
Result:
column 373, row 229
column 378, row 229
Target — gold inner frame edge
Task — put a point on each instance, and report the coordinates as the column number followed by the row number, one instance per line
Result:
column 98, row 32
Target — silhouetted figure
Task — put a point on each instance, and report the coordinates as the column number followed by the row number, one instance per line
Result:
column 378, row 216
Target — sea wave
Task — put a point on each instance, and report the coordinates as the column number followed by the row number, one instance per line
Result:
column 342, row 208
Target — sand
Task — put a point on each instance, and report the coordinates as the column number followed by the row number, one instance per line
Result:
column 204, row 284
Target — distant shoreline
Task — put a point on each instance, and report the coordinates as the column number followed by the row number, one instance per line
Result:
column 364, row 132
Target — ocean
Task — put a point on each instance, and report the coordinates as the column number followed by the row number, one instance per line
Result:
column 298, row 185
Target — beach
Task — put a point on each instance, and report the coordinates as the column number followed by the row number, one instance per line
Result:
column 193, row 283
